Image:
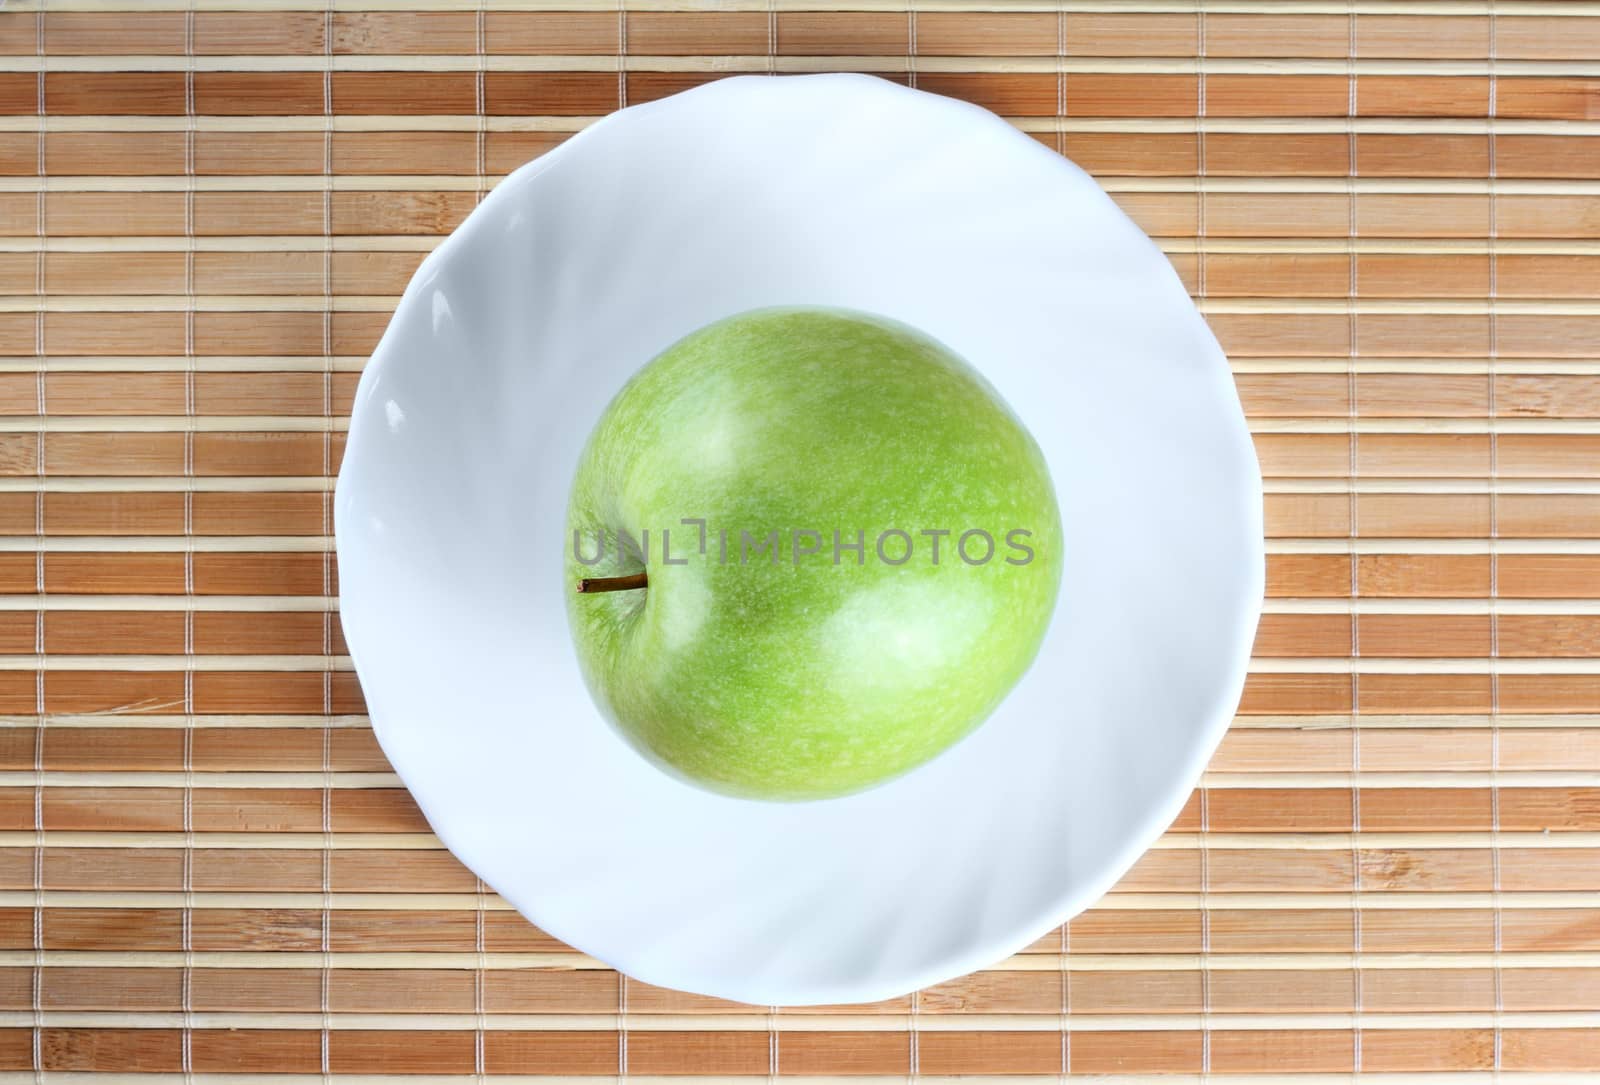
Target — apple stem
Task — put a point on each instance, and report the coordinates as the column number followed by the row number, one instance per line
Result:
column 593, row 585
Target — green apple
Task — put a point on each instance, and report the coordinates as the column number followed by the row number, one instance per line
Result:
column 807, row 550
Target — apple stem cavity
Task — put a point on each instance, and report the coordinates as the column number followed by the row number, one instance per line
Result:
column 597, row 584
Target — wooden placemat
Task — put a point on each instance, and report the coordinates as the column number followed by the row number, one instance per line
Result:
column 1390, row 213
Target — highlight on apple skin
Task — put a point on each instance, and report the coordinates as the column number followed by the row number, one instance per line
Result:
column 779, row 584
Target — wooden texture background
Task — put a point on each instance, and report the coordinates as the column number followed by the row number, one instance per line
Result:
column 1390, row 213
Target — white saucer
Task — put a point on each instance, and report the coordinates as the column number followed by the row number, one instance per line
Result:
column 829, row 190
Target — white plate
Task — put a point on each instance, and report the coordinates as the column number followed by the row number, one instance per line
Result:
column 828, row 190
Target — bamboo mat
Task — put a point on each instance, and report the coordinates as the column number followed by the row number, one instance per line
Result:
column 1390, row 213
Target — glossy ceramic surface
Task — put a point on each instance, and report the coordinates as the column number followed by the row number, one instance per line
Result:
column 818, row 190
